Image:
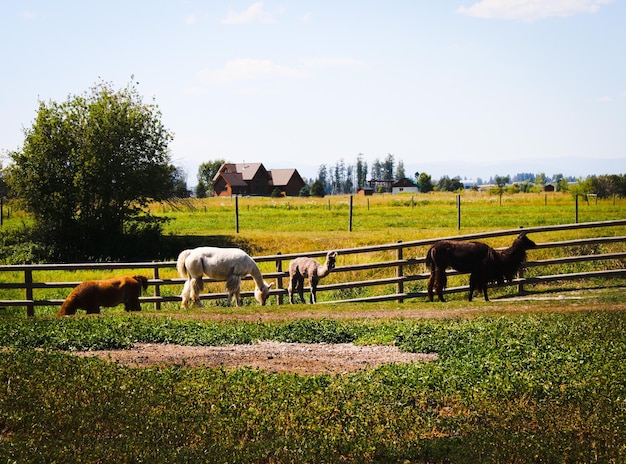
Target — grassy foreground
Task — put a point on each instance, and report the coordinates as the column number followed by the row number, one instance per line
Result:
column 511, row 384
column 535, row 380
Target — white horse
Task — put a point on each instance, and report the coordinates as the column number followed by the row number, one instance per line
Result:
column 229, row 264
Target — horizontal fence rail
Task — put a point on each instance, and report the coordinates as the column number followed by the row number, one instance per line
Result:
column 405, row 262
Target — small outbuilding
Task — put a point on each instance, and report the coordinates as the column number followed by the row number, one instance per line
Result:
column 404, row 186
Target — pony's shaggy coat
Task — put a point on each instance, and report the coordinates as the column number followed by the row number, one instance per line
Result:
column 91, row 294
column 308, row 268
column 229, row 264
column 484, row 264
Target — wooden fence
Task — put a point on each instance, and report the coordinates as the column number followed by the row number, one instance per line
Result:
column 405, row 258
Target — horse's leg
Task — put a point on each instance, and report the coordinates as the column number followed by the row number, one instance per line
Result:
column 132, row 303
column 238, row 301
column 233, row 285
column 301, row 288
column 91, row 308
column 472, row 286
column 484, row 284
column 290, row 288
column 196, row 288
column 185, row 294
column 313, row 297
column 431, row 283
column 441, row 281
column 131, row 300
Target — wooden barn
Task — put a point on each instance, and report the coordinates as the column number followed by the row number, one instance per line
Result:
column 254, row 179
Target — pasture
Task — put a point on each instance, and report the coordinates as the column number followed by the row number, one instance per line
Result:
column 292, row 225
column 532, row 378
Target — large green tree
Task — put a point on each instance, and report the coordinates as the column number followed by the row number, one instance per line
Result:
column 206, row 173
column 89, row 167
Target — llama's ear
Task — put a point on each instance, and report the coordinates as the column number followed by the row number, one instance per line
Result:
column 271, row 284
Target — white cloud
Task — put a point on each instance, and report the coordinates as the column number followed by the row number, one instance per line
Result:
column 28, row 15
column 249, row 70
column 253, row 14
column 531, row 10
column 191, row 19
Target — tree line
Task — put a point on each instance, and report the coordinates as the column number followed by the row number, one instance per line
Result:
column 347, row 178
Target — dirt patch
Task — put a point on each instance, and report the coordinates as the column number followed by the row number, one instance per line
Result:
column 301, row 358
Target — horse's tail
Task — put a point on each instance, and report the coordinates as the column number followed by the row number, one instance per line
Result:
column 180, row 264
column 430, row 258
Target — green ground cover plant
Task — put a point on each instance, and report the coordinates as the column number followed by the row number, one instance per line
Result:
column 523, row 387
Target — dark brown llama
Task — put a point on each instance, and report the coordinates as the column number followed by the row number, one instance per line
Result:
column 484, row 264
column 307, row 268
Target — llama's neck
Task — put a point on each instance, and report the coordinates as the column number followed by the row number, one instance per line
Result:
column 255, row 272
column 514, row 253
column 324, row 270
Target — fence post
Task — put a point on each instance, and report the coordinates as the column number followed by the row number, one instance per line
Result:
column 279, row 280
column 400, row 273
column 157, row 289
column 350, row 220
column 458, row 212
column 520, row 286
column 236, row 214
column 28, row 281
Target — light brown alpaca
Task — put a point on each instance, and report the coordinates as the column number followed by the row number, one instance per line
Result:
column 308, row 268
column 91, row 294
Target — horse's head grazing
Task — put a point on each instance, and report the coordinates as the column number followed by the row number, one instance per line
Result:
column 262, row 294
column 143, row 281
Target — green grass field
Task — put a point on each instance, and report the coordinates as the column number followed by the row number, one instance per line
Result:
column 534, row 379
column 293, row 225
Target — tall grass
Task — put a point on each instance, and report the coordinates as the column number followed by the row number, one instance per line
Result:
column 299, row 224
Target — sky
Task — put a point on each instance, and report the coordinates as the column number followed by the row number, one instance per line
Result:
column 469, row 88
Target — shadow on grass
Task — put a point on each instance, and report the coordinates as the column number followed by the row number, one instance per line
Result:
column 170, row 246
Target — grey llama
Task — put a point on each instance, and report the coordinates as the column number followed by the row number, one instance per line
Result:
column 308, row 268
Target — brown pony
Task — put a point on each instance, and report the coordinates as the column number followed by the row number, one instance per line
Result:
column 484, row 264
column 91, row 294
